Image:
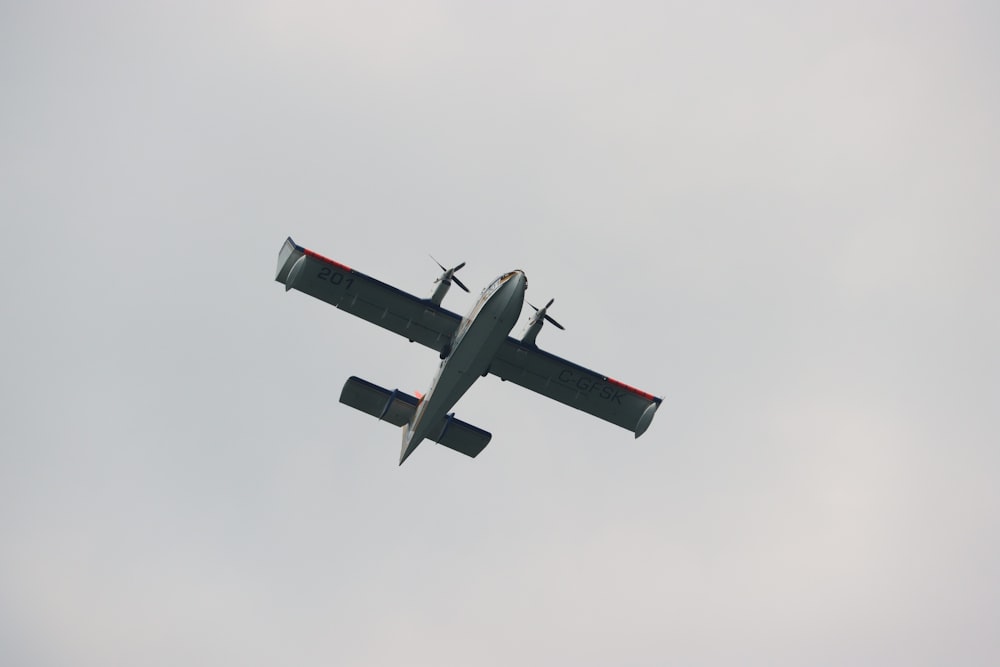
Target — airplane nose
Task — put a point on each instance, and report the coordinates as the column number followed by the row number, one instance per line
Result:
column 515, row 281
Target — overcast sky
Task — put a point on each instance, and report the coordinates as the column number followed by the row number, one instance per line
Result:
column 783, row 219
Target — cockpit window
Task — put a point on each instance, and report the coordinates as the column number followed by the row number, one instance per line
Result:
column 511, row 274
column 501, row 280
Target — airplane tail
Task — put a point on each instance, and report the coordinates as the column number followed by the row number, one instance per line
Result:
column 398, row 407
column 409, row 443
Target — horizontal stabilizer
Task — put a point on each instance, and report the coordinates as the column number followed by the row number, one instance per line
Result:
column 397, row 408
column 462, row 437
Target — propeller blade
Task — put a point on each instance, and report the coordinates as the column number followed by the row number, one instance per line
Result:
column 546, row 307
column 554, row 323
column 545, row 315
column 458, row 282
column 437, row 262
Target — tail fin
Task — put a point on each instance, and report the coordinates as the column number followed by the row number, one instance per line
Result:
column 407, row 448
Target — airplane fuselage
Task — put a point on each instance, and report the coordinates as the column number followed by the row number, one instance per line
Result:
column 476, row 342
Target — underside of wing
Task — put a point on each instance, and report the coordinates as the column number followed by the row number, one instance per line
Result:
column 417, row 319
column 575, row 386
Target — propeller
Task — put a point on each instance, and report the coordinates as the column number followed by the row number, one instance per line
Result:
column 541, row 313
column 449, row 274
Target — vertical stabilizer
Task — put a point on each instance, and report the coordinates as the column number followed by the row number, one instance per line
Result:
column 409, row 443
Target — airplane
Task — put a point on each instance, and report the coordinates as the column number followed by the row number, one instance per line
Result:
column 469, row 347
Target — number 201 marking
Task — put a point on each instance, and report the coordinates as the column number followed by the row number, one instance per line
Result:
column 335, row 277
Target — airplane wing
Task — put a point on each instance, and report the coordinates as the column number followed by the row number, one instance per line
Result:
column 414, row 318
column 574, row 385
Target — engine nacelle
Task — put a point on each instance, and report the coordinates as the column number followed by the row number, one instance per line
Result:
column 535, row 324
column 444, row 282
column 531, row 331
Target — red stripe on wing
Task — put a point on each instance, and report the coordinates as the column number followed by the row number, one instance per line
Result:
column 316, row 255
column 647, row 396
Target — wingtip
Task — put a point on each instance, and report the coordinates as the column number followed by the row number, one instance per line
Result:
column 645, row 419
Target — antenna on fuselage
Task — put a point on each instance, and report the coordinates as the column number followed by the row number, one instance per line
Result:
column 445, row 280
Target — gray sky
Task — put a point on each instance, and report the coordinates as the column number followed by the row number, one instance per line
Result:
column 782, row 219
